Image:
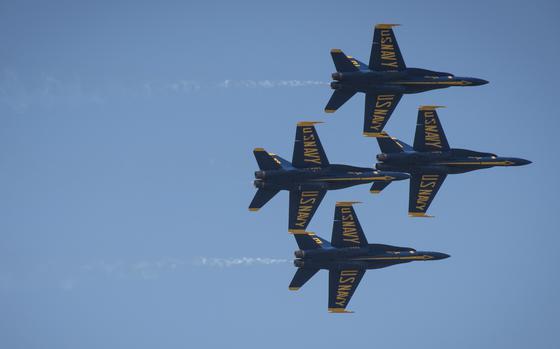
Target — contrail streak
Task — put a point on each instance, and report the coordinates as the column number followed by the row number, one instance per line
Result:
column 234, row 262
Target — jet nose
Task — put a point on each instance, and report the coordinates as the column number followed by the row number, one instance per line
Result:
column 439, row 255
column 521, row 162
column 478, row 82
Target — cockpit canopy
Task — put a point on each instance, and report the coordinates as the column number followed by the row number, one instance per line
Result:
column 471, row 153
column 389, row 248
column 429, row 73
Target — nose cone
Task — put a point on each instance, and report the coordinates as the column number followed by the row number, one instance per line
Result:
column 520, row 162
column 439, row 255
column 478, row 82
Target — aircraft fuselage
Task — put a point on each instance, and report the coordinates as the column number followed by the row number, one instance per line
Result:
column 450, row 162
column 374, row 256
column 329, row 178
column 411, row 80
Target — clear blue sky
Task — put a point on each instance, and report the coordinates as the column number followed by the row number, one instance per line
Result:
column 126, row 132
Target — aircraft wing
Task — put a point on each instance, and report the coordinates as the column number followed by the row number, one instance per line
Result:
column 308, row 151
column 303, row 204
column 342, row 285
column 429, row 132
column 385, row 53
column 377, row 111
column 347, row 231
column 423, row 189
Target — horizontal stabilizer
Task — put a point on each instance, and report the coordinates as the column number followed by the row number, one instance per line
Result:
column 342, row 62
column 301, row 276
column 338, row 98
column 309, row 241
column 265, row 160
column 377, row 187
column 261, row 198
column 391, row 145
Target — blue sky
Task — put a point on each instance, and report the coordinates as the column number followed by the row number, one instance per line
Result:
column 126, row 132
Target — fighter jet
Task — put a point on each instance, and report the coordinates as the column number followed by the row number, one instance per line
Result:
column 347, row 257
column 431, row 159
column 309, row 176
column 384, row 80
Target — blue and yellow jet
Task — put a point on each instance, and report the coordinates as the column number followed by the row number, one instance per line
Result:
column 347, row 257
column 431, row 159
column 309, row 176
column 384, row 80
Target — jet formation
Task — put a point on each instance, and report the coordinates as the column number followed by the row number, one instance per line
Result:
column 310, row 174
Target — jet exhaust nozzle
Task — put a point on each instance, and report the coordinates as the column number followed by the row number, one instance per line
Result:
column 258, row 184
column 336, row 76
column 299, row 254
column 335, row 85
column 299, row 263
column 259, row 174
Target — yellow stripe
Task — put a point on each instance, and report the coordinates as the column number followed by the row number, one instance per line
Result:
column 385, row 26
column 456, row 83
column 336, row 50
column 330, row 110
column 258, row 149
column 393, row 258
column 346, row 203
column 339, row 310
column 430, row 107
column 383, row 178
column 300, row 232
column 477, row 163
column 254, row 209
column 293, row 288
column 308, row 123
column 375, row 134
column 419, row 214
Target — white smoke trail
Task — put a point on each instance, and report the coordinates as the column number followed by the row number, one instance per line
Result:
column 20, row 94
column 270, row 83
column 152, row 269
column 233, row 262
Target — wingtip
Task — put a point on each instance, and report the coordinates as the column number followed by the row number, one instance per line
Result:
column 419, row 214
column 430, row 107
column 329, row 111
column 386, row 25
column 336, row 50
column 309, row 123
column 340, row 311
column 254, row 209
column 293, row 288
column 375, row 134
column 299, row 231
column 375, row 191
column 346, row 203
column 258, row 149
